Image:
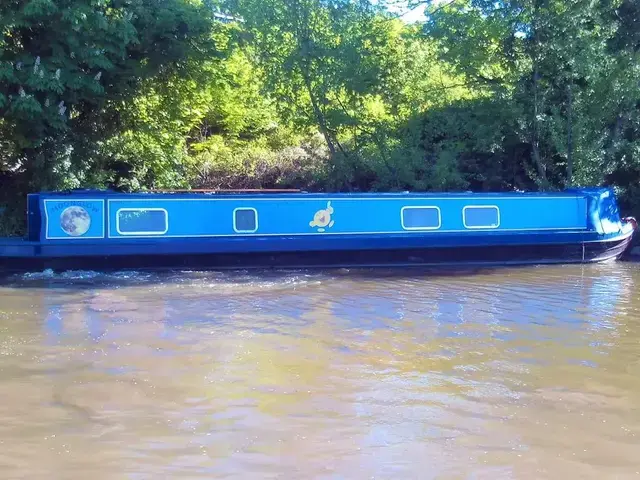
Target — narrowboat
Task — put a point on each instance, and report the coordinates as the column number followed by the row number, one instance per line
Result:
column 88, row 229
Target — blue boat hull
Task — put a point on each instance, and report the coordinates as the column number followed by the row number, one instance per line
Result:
column 107, row 230
column 193, row 255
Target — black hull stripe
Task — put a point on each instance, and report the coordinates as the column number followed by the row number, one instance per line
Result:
column 429, row 257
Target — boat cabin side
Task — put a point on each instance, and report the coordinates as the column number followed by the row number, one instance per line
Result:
column 109, row 217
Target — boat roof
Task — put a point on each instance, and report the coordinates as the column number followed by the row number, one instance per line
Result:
column 287, row 193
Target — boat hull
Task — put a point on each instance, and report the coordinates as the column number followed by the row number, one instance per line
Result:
column 463, row 256
column 107, row 230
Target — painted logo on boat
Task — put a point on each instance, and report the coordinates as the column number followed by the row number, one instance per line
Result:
column 322, row 218
column 75, row 221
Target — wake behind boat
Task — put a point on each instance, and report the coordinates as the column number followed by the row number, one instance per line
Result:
column 109, row 230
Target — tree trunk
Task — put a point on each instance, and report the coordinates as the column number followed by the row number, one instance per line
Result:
column 535, row 134
column 535, row 127
column 570, row 133
column 322, row 123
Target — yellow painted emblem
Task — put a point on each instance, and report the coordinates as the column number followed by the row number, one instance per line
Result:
column 322, row 218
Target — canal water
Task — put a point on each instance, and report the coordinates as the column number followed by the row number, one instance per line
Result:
column 519, row 373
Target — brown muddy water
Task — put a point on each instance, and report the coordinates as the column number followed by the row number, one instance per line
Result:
column 520, row 373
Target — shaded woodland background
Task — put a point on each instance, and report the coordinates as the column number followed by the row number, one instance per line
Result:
column 324, row 95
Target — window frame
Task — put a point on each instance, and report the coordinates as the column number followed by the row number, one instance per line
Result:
column 142, row 209
column 255, row 213
column 420, row 207
column 478, row 207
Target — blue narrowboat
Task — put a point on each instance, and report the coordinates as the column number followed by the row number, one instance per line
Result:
column 105, row 229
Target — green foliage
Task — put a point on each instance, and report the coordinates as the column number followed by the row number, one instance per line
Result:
column 568, row 66
column 68, row 71
column 318, row 94
column 224, row 165
column 328, row 64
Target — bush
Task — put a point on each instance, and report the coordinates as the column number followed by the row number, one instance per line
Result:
column 225, row 165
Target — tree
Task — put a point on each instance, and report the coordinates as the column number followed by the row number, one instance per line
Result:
column 555, row 60
column 68, row 71
column 326, row 61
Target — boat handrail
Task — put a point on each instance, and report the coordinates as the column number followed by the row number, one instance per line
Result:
column 227, row 190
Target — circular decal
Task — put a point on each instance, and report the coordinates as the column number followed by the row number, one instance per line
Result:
column 75, row 221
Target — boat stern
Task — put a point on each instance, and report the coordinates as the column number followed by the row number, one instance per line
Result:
column 629, row 224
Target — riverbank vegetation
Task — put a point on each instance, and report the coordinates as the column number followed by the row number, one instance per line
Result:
column 334, row 95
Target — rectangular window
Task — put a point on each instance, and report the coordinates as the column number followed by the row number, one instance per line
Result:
column 142, row 221
column 421, row 218
column 245, row 220
column 481, row 216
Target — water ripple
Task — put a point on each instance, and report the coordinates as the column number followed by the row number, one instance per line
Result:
column 517, row 373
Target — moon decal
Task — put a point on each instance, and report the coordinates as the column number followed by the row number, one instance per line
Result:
column 75, row 221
